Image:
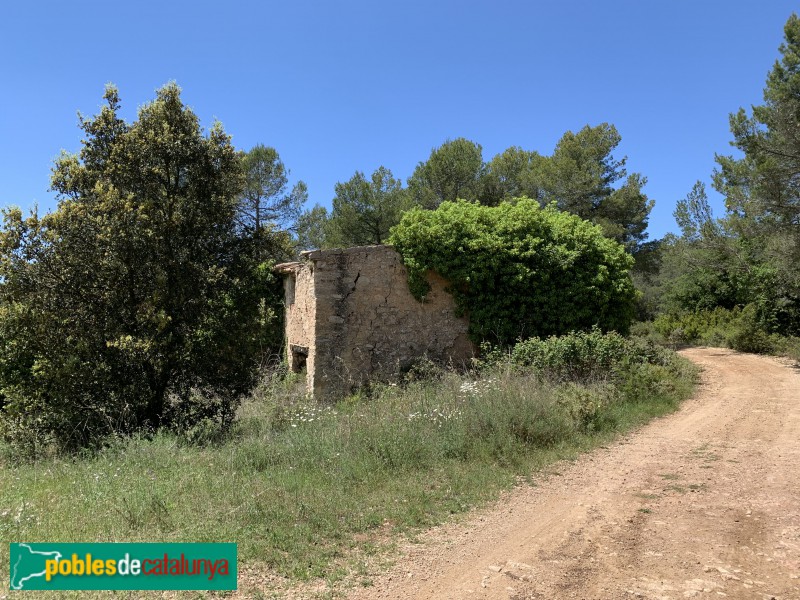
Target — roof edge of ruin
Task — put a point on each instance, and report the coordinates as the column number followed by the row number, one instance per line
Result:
column 287, row 267
column 317, row 254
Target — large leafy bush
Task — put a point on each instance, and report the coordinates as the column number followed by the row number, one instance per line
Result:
column 519, row 270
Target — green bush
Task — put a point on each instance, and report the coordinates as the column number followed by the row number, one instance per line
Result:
column 139, row 289
column 577, row 356
column 587, row 406
column 787, row 346
column 741, row 329
column 707, row 327
column 519, row 270
column 747, row 334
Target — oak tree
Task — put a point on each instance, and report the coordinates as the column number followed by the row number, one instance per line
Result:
column 136, row 303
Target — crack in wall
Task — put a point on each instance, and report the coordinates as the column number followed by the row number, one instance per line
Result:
column 352, row 289
column 367, row 323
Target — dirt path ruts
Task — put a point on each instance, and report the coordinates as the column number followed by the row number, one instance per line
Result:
column 704, row 503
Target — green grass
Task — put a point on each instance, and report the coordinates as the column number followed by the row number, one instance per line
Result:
column 312, row 492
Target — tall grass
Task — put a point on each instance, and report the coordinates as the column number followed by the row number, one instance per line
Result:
column 311, row 491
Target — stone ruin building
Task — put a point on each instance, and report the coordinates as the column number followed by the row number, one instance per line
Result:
column 350, row 318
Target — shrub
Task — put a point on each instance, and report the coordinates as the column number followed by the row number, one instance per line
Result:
column 787, row 346
column 578, row 356
column 747, row 334
column 519, row 270
column 708, row 327
column 741, row 329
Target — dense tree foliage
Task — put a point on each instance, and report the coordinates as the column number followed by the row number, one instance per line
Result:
column 762, row 189
column 365, row 209
column 580, row 177
column 453, row 171
column 137, row 303
column 514, row 173
column 519, row 270
column 311, row 226
column 266, row 200
column 697, row 267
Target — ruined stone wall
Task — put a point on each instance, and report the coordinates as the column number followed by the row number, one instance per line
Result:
column 368, row 326
column 301, row 308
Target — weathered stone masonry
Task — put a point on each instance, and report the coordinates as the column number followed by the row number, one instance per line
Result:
column 350, row 317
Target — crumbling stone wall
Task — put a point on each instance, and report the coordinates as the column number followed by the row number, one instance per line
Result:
column 300, row 317
column 350, row 317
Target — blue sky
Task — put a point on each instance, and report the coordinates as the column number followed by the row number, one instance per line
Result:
column 343, row 86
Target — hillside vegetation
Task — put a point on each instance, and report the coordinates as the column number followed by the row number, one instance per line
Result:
column 143, row 394
column 315, row 491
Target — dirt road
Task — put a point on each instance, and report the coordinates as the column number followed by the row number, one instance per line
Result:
column 704, row 503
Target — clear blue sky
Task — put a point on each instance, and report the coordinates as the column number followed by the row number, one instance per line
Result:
column 343, row 86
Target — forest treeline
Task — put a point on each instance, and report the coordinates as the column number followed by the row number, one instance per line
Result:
column 146, row 300
column 582, row 176
column 735, row 279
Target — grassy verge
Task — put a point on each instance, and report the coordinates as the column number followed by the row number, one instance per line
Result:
column 312, row 492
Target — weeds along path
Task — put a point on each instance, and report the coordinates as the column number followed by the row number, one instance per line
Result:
column 704, row 503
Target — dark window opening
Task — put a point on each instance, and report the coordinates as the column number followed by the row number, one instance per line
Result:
column 298, row 359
